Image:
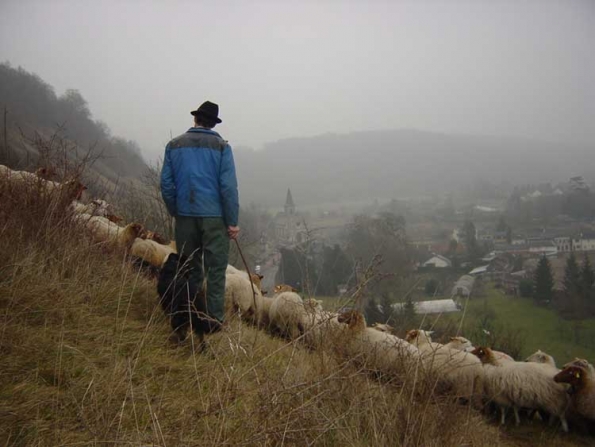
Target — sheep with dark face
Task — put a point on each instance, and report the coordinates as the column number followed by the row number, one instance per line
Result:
column 582, row 387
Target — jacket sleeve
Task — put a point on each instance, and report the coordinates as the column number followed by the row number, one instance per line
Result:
column 229, row 188
column 168, row 185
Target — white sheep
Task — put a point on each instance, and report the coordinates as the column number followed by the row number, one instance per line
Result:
column 422, row 340
column 522, row 385
column 581, row 379
column 242, row 296
column 256, row 278
column 379, row 350
column 263, row 308
column 231, row 270
column 460, row 344
column 320, row 325
column 382, row 327
column 541, row 357
column 103, row 230
column 279, row 288
column 96, row 207
column 459, row 370
column 150, row 251
column 69, row 190
column 288, row 314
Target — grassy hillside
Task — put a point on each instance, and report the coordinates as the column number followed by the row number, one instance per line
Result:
column 540, row 328
column 85, row 361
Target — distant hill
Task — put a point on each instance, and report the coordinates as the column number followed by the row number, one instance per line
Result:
column 388, row 164
column 34, row 111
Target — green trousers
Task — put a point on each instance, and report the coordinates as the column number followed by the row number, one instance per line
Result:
column 204, row 240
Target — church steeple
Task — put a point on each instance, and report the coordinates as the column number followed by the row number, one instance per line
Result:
column 289, row 205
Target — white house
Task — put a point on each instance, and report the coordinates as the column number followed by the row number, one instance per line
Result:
column 479, row 270
column 582, row 242
column 437, row 261
column 431, row 307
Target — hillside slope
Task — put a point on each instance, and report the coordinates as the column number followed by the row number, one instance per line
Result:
column 85, row 361
column 40, row 124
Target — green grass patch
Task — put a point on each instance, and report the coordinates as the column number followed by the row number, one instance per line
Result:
column 539, row 327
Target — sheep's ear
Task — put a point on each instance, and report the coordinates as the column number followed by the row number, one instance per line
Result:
column 261, row 276
column 453, row 338
column 429, row 332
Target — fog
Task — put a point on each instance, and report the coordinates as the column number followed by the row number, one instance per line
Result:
column 281, row 70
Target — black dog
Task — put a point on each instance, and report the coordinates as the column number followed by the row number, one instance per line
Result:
column 182, row 300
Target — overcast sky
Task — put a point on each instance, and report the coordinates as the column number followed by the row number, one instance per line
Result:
column 282, row 69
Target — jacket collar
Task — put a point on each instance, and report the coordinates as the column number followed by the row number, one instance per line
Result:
column 203, row 130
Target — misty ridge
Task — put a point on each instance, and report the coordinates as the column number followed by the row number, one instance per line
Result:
column 335, row 169
column 32, row 111
column 400, row 164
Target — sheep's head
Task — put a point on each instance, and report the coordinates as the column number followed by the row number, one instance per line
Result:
column 539, row 357
column 256, row 279
column 74, row 189
column 382, row 327
column 312, row 304
column 411, row 335
column 581, row 363
column 575, row 376
column 46, row 173
column 484, row 354
column 462, row 342
column 419, row 336
column 353, row 319
column 153, row 235
column 133, row 231
column 284, row 288
column 113, row 218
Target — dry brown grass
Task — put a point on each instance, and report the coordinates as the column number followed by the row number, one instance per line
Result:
column 84, row 361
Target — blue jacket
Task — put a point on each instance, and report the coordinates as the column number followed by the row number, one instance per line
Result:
column 198, row 177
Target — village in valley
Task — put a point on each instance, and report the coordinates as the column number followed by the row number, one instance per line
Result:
column 454, row 254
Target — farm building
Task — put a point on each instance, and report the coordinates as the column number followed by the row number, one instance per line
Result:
column 464, row 286
column 431, row 307
column 437, row 261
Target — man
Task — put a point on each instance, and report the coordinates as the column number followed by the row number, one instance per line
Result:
column 199, row 188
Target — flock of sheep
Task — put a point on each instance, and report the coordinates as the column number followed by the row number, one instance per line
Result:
column 474, row 374
column 477, row 375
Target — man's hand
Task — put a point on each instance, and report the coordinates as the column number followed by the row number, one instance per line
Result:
column 232, row 231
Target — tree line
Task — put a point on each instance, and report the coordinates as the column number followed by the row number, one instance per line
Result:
column 576, row 300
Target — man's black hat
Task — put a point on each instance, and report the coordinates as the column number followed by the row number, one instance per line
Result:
column 208, row 110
